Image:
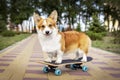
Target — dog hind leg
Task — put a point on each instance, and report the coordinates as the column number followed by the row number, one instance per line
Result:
column 78, row 53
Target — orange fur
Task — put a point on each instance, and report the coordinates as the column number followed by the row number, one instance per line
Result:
column 49, row 21
column 72, row 40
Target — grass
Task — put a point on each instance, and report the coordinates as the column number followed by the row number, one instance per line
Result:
column 7, row 41
column 107, row 44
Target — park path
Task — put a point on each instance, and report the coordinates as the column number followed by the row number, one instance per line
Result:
column 18, row 63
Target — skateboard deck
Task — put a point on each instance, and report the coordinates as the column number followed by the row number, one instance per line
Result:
column 68, row 63
column 65, row 62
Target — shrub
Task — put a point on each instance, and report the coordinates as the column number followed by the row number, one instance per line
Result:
column 103, row 33
column 2, row 26
column 24, row 32
column 116, row 35
column 95, row 36
column 8, row 33
column 96, row 30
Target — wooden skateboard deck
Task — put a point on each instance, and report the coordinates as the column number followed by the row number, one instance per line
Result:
column 65, row 62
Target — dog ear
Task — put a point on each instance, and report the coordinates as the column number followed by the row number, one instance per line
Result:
column 36, row 18
column 54, row 15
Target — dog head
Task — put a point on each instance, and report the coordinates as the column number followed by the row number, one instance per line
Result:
column 46, row 27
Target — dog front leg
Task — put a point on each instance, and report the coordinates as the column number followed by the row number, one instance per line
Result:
column 47, row 57
column 84, row 59
column 59, row 56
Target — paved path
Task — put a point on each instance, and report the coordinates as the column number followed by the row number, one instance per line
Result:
column 18, row 63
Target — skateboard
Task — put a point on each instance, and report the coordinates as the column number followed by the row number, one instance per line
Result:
column 68, row 63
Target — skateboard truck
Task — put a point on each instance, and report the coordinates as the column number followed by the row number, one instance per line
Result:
column 75, row 66
column 78, row 66
column 54, row 69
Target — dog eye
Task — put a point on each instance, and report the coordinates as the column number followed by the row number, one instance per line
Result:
column 42, row 26
column 50, row 25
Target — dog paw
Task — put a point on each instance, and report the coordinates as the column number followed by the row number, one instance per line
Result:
column 84, row 60
column 48, row 60
column 58, row 61
column 75, row 58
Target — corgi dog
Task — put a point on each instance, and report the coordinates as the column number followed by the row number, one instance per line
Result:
column 55, row 43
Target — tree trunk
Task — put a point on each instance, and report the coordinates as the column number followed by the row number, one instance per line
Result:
column 113, row 23
column 118, row 28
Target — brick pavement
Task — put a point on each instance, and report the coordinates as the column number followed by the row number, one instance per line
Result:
column 18, row 63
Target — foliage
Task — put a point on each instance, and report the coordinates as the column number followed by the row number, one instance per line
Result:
column 3, row 10
column 114, row 3
column 112, row 8
column 68, row 10
column 71, row 9
column 78, row 27
column 3, row 15
column 2, row 26
column 20, row 10
column 94, row 36
column 116, row 35
column 8, row 33
column 96, row 30
column 96, row 25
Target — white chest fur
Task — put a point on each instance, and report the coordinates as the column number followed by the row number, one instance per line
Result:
column 50, row 44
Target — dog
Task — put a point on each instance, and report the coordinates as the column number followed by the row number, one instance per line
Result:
column 55, row 43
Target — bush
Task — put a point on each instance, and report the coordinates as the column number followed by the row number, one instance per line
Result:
column 2, row 26
column 8, row 33
column 103, row 33
column 116, row 35
column 24, row 32
column 95, row 36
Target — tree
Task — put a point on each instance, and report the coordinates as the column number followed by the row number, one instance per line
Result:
column 96, row 25
column 3, row 14
column 112, row 8
column 78, row 27
column 20, row 10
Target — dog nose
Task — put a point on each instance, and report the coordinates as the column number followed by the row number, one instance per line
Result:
column 47, row 32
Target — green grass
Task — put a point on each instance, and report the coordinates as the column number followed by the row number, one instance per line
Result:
column 7, row 41
column 107, row 44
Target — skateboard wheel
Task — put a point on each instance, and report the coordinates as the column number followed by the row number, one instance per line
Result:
column 72, row 66
column 84, row 68
column 58, row 72
column 45, row 70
